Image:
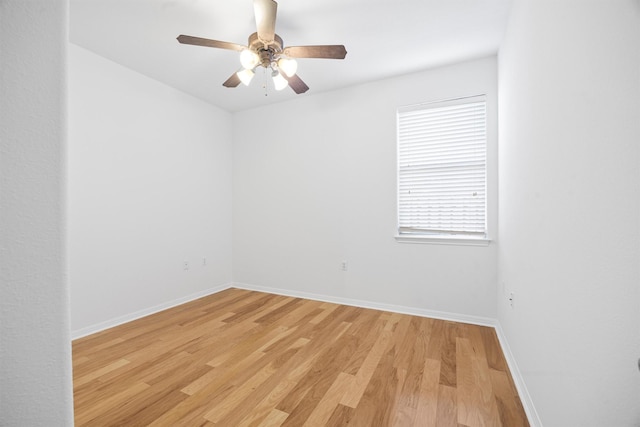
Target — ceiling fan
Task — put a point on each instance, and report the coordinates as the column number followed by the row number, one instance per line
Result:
column 266, row 49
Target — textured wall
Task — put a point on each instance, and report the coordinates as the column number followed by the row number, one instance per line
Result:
column 35, row 351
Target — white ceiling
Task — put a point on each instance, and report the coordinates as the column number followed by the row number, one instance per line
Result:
column 383, row 39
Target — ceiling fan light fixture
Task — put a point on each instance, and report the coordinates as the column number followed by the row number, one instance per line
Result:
column 249, row 59
column 278, row 81
column 289, row 66
column 245, row 76
column 266, row 49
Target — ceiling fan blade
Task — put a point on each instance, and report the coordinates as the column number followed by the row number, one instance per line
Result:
column 232, row 81
column 199, row 41
column 265, row 12
column 296, row 83
column 321, row 51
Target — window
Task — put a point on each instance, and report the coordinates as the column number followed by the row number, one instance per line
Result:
column 442, row 170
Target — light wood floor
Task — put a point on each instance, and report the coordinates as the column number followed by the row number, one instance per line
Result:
column 242, row 358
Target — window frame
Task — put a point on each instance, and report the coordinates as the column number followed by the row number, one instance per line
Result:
column 444, row 237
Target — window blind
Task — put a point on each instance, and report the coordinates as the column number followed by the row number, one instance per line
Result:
column 442, row 168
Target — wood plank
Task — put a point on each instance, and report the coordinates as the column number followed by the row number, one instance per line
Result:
column 244, row 358
column 509, row 408
column 330, row 400
column 354, row 394
column 341, row 416
column 448, row 366
column 88, row 414
column 241, row 392
column 274, row 419
column 414, row 351
column 80, row 381
column 475, row 397
column 369, row 338
column 447, row 412
column 315, row 385
column 272, row 392
column 429, row 388
column 491, row 345
column 378, row 405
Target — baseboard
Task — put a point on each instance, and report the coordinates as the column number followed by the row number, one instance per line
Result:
column 83, row 332
column 525, row 397
column 414, row 311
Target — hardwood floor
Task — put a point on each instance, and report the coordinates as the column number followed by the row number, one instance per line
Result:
column 243, row 358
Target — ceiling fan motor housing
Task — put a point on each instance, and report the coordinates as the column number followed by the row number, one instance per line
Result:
column 268, row 52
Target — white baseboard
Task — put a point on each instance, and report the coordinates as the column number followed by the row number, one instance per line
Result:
column 525, row 397
column 83, row 332
column 414, row 311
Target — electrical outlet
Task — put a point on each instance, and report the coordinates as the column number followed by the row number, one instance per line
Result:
column 344, row 266
column 185, row 265
column 204, row 261
column 512, row 296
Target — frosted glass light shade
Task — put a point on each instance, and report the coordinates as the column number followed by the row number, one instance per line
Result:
column 249, row 59
column 278, row 81
column 288, row 66
column 245, row 76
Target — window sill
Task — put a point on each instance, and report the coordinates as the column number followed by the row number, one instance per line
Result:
column 443, row 240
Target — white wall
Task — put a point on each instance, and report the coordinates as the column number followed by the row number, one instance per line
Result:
column 149, row 188
column 315, row 183
column 35, row 351
column 569, row 83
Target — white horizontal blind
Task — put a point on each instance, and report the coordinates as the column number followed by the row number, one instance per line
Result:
column 442, row 167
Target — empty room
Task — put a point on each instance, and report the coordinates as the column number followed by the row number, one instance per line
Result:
column 261, row 213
